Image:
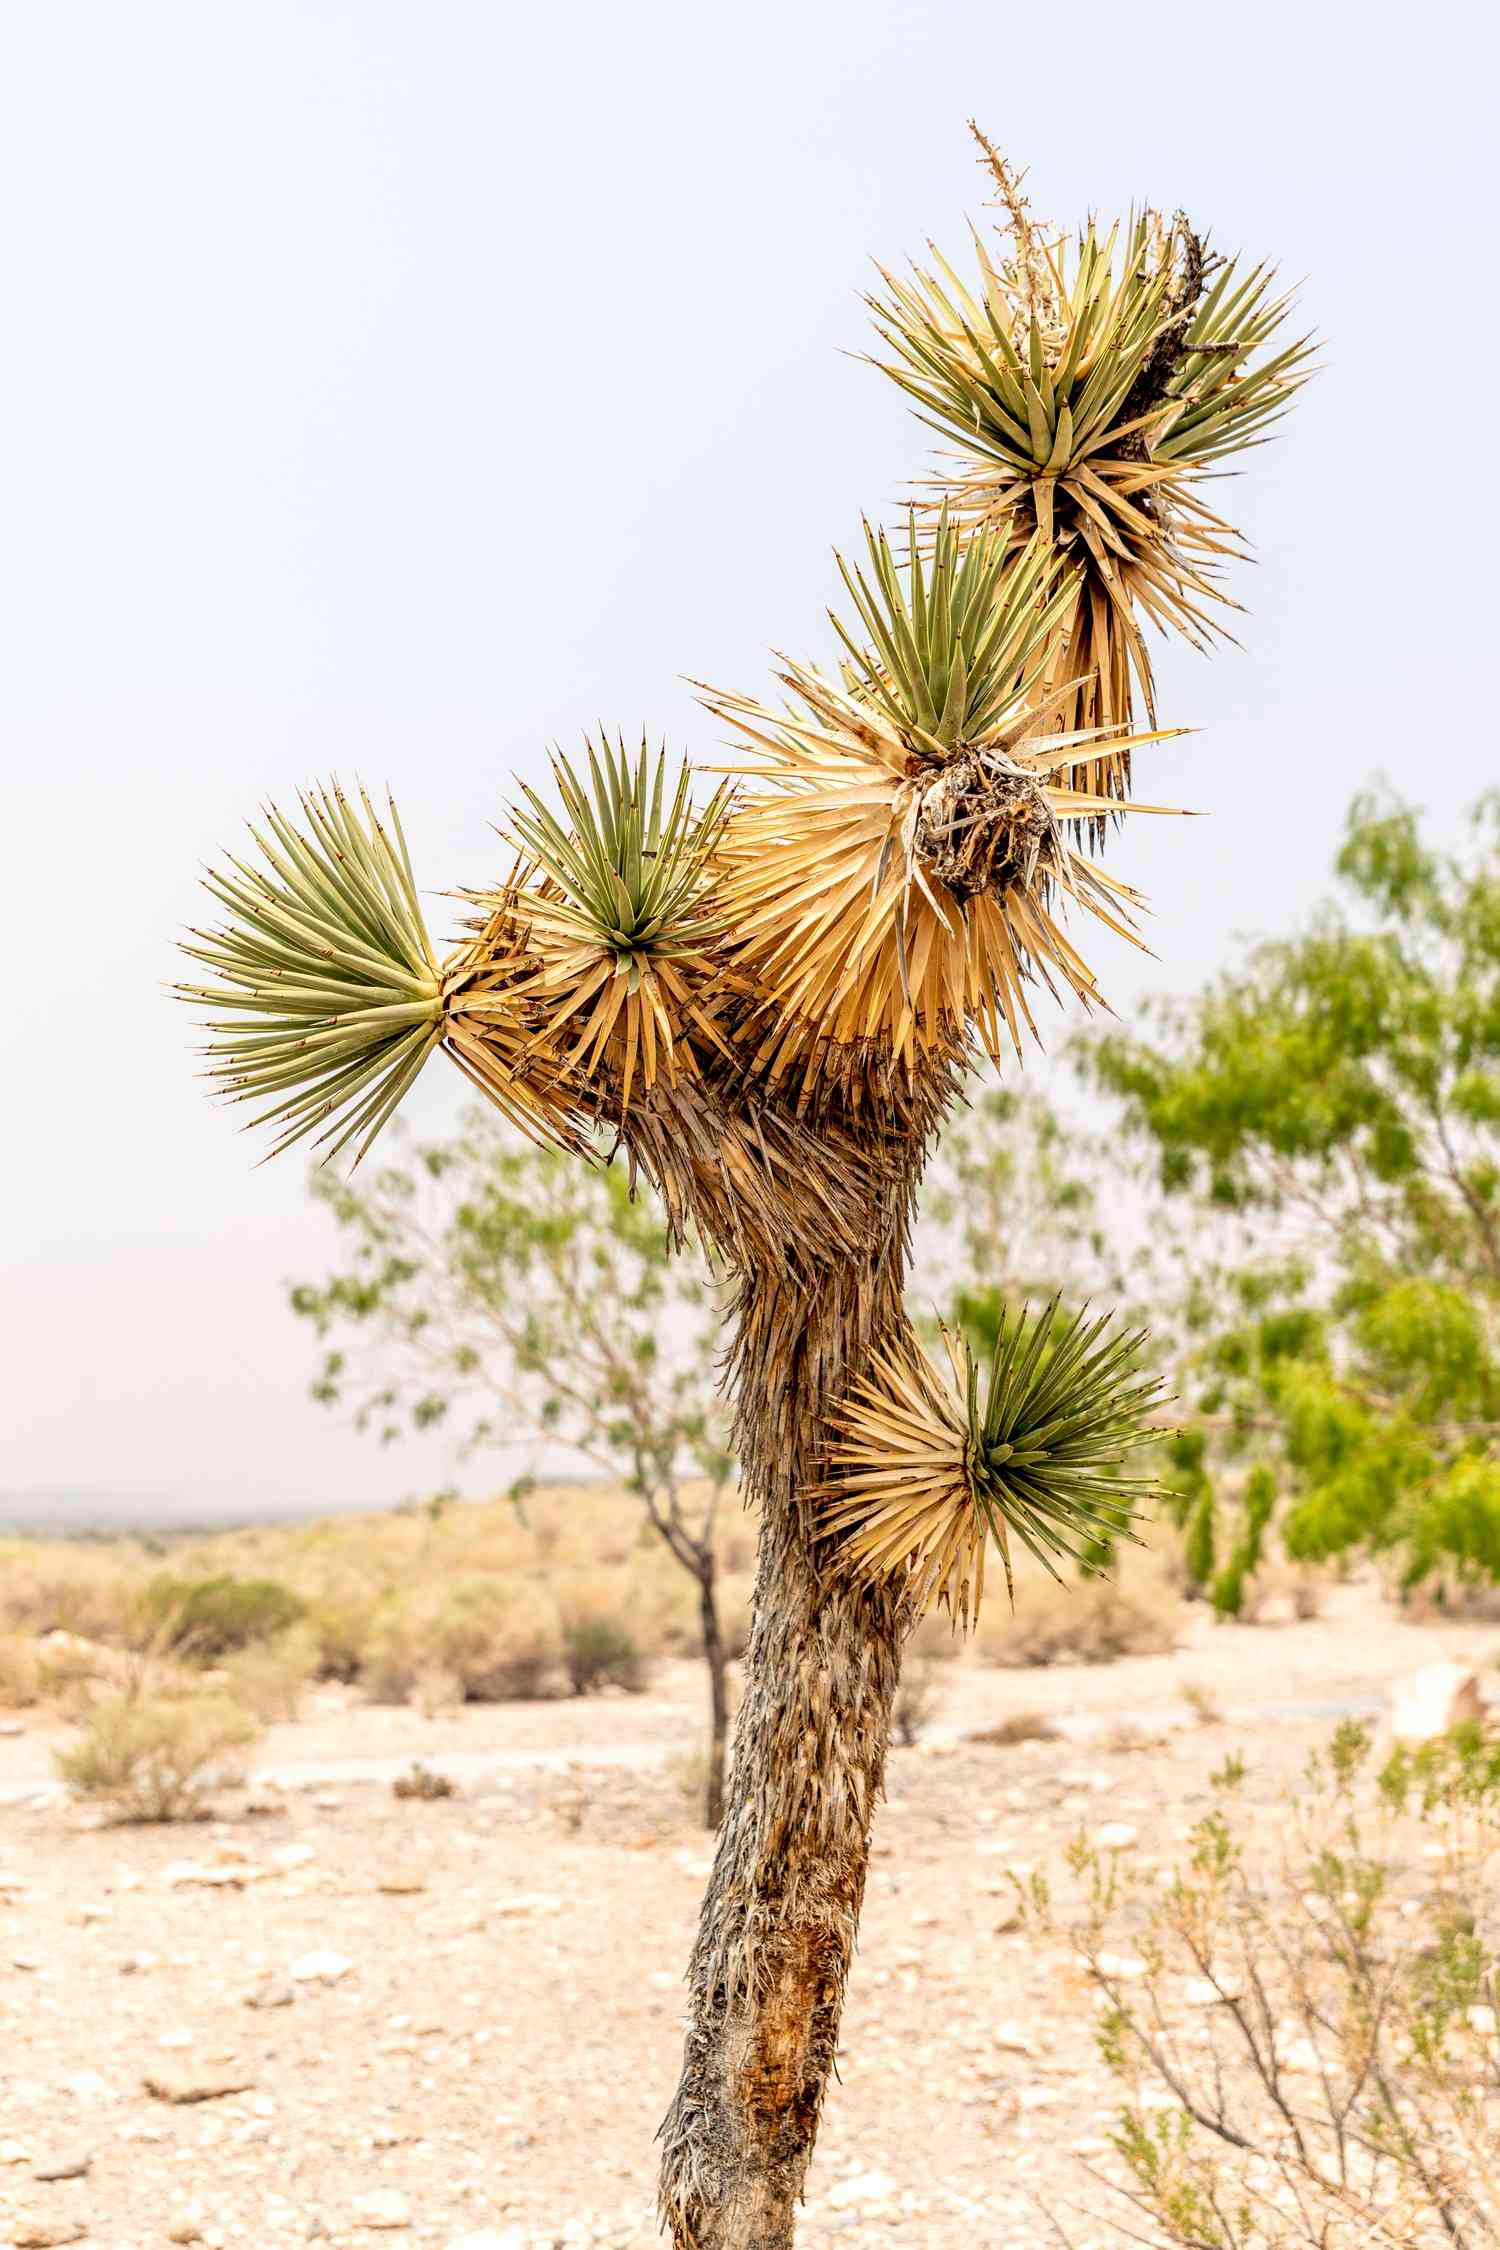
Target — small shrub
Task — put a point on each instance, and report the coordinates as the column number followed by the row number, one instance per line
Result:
column 421, row 1782
column 80, row 1589
column 1022, row 1726
column 601, row 1652
column 1200, row 1701
column 343, row 1625
column 499, row 1638
column 210, row 1617
column 1136, row 1611
column 1307, row 2048
column 157, row 1758
column 20, row 1673
column 269, row 1678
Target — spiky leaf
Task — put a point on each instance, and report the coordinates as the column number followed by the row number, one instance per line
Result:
column 621, row 931
column 923, row 1472
column 325, row 1000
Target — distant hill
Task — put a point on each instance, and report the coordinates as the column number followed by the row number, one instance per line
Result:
column 75, row 1512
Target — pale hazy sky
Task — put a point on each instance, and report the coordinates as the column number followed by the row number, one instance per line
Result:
column 392, row 388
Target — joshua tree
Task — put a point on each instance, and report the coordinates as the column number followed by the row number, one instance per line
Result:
column 765, row 1006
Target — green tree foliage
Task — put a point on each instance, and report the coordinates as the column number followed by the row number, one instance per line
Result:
column 521, row 1297
column 1325, row 1130
column 1015, row 1212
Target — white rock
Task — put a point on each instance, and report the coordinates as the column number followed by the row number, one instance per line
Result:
column 529, row 1902
column 382, row 2207
column 1483, row 2020
column 1013, row 2039
column 1431, row 1702
column 13, row 2152
column 864, row 2187
column 319, row 1968
column 513, row 2238
column 1116, row 1836
column 1124, row 1967
column 294, row 1855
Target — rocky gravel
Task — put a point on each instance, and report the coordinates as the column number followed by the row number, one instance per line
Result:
column 335, row 2016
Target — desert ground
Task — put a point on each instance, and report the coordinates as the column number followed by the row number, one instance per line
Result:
column 337, row 2015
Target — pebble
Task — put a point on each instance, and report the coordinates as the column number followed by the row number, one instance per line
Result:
column 271, row 1992
column 1116, row 1836
column 13, row 2152
column 185, row 2087
column 382, row 2207
column 62, row 2164
column 511, row 2238
column 43, row 2234
column 1013, row 2039
column 320, row 1968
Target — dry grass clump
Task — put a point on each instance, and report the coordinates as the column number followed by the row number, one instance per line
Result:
column 157, row 1758
column 1021, row 1726
column 499, row 1640
column 423, row 1783
column 1136, row 1610
column 61, row 1586
column 270, row 1678
column 20, row 1673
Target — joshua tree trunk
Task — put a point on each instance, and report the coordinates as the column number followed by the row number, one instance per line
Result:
column 782, row 1909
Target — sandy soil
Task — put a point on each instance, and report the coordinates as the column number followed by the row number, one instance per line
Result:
column 493, row 2043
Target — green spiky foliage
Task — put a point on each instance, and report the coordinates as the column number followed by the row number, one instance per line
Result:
column 623, row 927
column 925, row 1472
column 326, row 999
column 1085, row 393
column 955, row 643
column 632, row 867
column 904, row 872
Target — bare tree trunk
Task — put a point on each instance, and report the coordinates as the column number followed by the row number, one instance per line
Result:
column 715, row 1658
column 782, row 1909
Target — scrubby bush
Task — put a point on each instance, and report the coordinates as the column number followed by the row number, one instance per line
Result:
column 157, row 1758
column 500, row 1639
column 69, row 1587
column 269, row 1678
column 423, row 1783
column 1133, row 1610
column 209, row 1617
column 20, row 1673
column 1304, row 2021
column 601, row 1651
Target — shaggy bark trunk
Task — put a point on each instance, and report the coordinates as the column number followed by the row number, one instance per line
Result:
column 718, row 1691
column 782, row 1909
